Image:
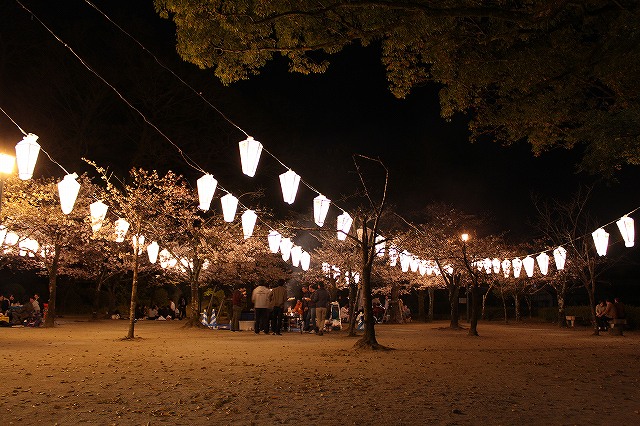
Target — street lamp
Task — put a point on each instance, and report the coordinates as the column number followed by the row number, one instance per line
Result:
column 465, row 237
column 7, row 163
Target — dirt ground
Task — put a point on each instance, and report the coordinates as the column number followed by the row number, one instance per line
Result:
column 82, row 373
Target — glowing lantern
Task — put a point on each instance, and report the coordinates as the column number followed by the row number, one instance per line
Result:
column 356, row 277
column 68, row 189
column 380, row 244
column 305, row 261
column 344, row 225
column 248, row 223
column 320, row 209
column 152, row 251
column 285, row 248
column 496, row 265
column 414, row 263
column 336, row 272
column 528, row 264
column 296, row 253
column 138, row 243
column 206, row 188
column 28, row 246
column 448, row 269
column 11, row 238
column 229, row 206
column 289, row 181
column 405, row 260
column 422, row 267
column 122, row 226
column 326, row 268
column 250, row 150
column 274, row 241
column 517, row 267
column 27, row 151
column 98, row 212
column 393, row 255
column 560, row 257
column 486, row 263
column 543, row 263
column 165, row 258
column 625, row 225
column 601, row 240
column 506, row 267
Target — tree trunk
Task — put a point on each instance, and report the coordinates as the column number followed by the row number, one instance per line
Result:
column 422, row 315
column 484, row 305
column 353, row 304
column 527, row 299
column 475, row 311
column 562, row 318
column 432, row 293
column 50, row 318
column 369, row 338
column 516, row 299
column 395, row 316
column 134, row 293
column 591, row 289
column 454, row 291
column 504, row 305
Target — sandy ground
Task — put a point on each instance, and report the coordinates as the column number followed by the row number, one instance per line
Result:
column 82, row 373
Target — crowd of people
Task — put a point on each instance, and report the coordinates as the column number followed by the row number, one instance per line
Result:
column 164, row 313
column 29, row 312
column 608, row 310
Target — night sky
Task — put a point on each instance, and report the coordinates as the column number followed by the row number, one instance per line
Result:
column 311, row 123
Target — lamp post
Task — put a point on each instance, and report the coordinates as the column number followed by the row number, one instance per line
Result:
column 465, row 238
column 7, row 163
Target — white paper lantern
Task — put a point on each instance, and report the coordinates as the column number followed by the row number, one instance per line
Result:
column 320, row 209
column 506, row 268
column 68, row 189
column 248, row 223
column 449, row 269
column 305, row 261
column 393, row 255
column 229, row 206
column 285, row 248
column 98, row 211
column 138, row 243
column 528, row 264
column 165, row 258
column 422, row 267
column 414, row 263
column 250, row 150
column 560, row 257
column 27, row 151
column 344, row 225
column 326, row 268
column 11, row 238
column 206, row 188
column 625, row 225
column 486, row 263
column 495, row 263
column 405, row 260
column 121, row 228
column 289, row 181
column 336, row 272
column 296, row 253
column 543, row 263
column 28, row 247
column 517, row 267
column 152, row 251
column 601, row 240
column 356, row 277
column 274, row 241
column 380, row 244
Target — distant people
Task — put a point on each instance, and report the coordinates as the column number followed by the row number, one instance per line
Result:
column 36, row 303
column 4, row 304
column 237, row 302
column 608, row 315
column 13, row 301
column 182, row 307
column 260, row 299
column 321, row 299
column 278, row 299
column 311, row 304
column 306, row 314
column 172, row 309
column 152, row 313
column 619, row 308
column 600, row 308
column 23, row 313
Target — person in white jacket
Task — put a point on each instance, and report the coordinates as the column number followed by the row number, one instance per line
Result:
column 261, row 297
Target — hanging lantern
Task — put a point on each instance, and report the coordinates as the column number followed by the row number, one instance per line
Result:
column 448, row 269
column 414, row 263
column 68, row 189
column 206, row 188
column 289, row 181
column 229, row 206
column 344, row 225
column 380, row 244
column 486, row 263
column 356, row 277
column 560, row 256
column 528, row 264
column 543, row 263
column 320, row 209
column 165, row 258
column 296, row 253
column 506, row 267
column 250, row 150
column 122, row 226
column 305, row 261
column 27, row 151
column 517, row 267
column 430, row 267
column 422, row 267
column 405, row 260
column 326, row 268
column 496, row 265
column 152, row 251
column 138, row 243
column 285, row 248
column 336, row 272
column 274, row 241
column 248, row 223
column 393, row 255
column 28, row 247
column 98, row 212
column 625, row 225
column 601, row 240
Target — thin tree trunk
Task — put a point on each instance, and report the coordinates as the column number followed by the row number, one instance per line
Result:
column 516, row 299
column 50, row 317
column 134, row 294
column 432, row 294
column 475, row 298
column 562, row 318
column 395, row 316
column 454, row 291
column 504, row 305
column 527, row 298
column 369, row 338
column 353, row 303
column 484, row 304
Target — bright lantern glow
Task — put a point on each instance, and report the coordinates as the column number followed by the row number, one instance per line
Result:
column 344, row 225
column 601, row 240
column 138, row 243
column 122, row 226
column 414, row 264
column 393, row 255
column 285, row 248
column 274, row 241
column 356, row 277
column 68, row 189
column 517, row 267
column 98, row 212
column 320, row 209
column 560, row 256
column 405, row 260
column 165, row 258
column 543, row 263
column 625, row 225
column 229, row 206
column 496, row 265
column 6, row 163
column 305, row 261
column 28, row 246
column 152, row 251
column 27, row 151
column 528, row 264
column 248, row 223
column 422, row 267
column 487, row 265
column 380, row 244
column 506, row 268
column 289, row 181
column 250, row 150
column 206, row 188
column 326, row 268
column 448, row 269
column 296, row 253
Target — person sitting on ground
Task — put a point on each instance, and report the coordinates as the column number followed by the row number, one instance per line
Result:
column 619, row 308
column 152, row 313
column 23, row 313
column 4, row 304
column 344, row 314
column 36, row 303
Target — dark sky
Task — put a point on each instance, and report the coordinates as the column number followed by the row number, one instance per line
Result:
column 312, row 123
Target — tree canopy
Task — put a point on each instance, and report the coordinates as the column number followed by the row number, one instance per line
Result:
column 553, row 73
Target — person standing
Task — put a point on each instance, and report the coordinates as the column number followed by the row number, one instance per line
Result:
column 237, row 302
column 172, row 308
column 182, row 307
column 278, row 299
column 260, row 297
column 321, row 299
column 311, row 304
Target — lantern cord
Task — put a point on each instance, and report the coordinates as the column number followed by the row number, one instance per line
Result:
column 184, row 156
column 54, row 161
column 13, row 121
column 199, row 94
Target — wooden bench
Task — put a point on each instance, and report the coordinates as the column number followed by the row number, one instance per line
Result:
column 572, row 320
column 616, row 326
